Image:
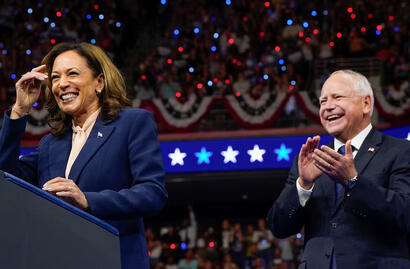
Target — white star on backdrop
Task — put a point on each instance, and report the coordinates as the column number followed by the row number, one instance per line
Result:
column 229, row 155
column 256, row 154
column 408, row 136
column 177, row 157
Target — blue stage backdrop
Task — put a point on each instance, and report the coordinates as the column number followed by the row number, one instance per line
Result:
column 253, row 153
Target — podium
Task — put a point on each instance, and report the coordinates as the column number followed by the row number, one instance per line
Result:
column 39, row 230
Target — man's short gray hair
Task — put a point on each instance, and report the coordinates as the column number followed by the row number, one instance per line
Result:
column 360, row 84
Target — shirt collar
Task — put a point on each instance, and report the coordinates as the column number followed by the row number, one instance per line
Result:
column 88, row 122
column 357, row 141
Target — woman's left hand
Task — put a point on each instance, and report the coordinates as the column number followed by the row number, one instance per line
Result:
column 68, row 190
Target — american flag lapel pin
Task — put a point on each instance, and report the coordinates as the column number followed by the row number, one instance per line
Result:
column 371, row 149
column 99, row 134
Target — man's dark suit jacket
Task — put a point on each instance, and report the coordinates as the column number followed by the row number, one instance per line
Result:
column 367, row 226
column 119, row 169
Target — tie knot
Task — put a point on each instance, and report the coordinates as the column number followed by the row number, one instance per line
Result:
column 342, row 150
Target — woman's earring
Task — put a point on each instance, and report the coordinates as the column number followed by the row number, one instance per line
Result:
column 98, row 91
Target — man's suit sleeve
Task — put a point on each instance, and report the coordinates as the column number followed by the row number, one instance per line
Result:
column 386, row 205
column 11, row 135
column 286, row 217
column 147, row 195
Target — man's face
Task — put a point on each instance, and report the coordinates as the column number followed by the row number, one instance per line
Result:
column 343, row 112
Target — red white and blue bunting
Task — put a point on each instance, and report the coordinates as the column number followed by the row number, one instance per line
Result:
column 260, row 113
column 392, row 102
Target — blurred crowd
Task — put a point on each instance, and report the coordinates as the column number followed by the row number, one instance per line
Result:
column 179, row 47
column 233, row 245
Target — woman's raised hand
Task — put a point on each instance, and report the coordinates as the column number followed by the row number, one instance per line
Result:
column 28, row 89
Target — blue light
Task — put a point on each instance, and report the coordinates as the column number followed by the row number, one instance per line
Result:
column 213, row 48
column 4, row 52
column 228, row 2
column 216, row 35
column 313, row 13
column 101, row 16
column 270, row 12
column 1, row 45
column 191, row 69
column 30, row 10
column 213, row 18
column 92, row 41
column 163, row 2
column 292, row 5
column 298, row 235
column 305, row 24
column 13, row 76
column 52, row 25
column 210, row 83
column 281, row 61
column 176, row 32
column 378, row 32
column 40, row 4
column 28, row 52
column 183, row 245
column 293, row 83
column 196, row 30
column 35, row 104
column 396, row 28
column 325, row 12
column 88, row 16
column 29, row 27
column 118, row 24
column 289, row 22
column 283, row 68
column 265, row 77
column 46, row 19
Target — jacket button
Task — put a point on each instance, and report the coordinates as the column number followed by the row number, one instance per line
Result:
column 334, row 225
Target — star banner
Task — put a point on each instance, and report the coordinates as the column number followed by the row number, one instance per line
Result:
column 239, row 154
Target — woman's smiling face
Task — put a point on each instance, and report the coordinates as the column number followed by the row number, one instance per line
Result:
column 74, row 85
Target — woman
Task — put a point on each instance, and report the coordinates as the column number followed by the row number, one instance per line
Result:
column 100, row 156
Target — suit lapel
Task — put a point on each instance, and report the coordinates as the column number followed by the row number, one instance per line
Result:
column 59, row 151
column 368, row 149
column 98, row 136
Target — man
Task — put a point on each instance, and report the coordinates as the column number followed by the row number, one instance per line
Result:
column 354, row 206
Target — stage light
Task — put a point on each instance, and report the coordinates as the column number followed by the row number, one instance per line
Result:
column 46, row 19
column 314, row 13
column 196, row 30
column 305, row 24
column 216, row 35
column 289, row 22
column 213, row 48
column 28, row 52
column 101, row 16
column 88, row 16
column 30, row 10
column 176, row 32
column 92, row 41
